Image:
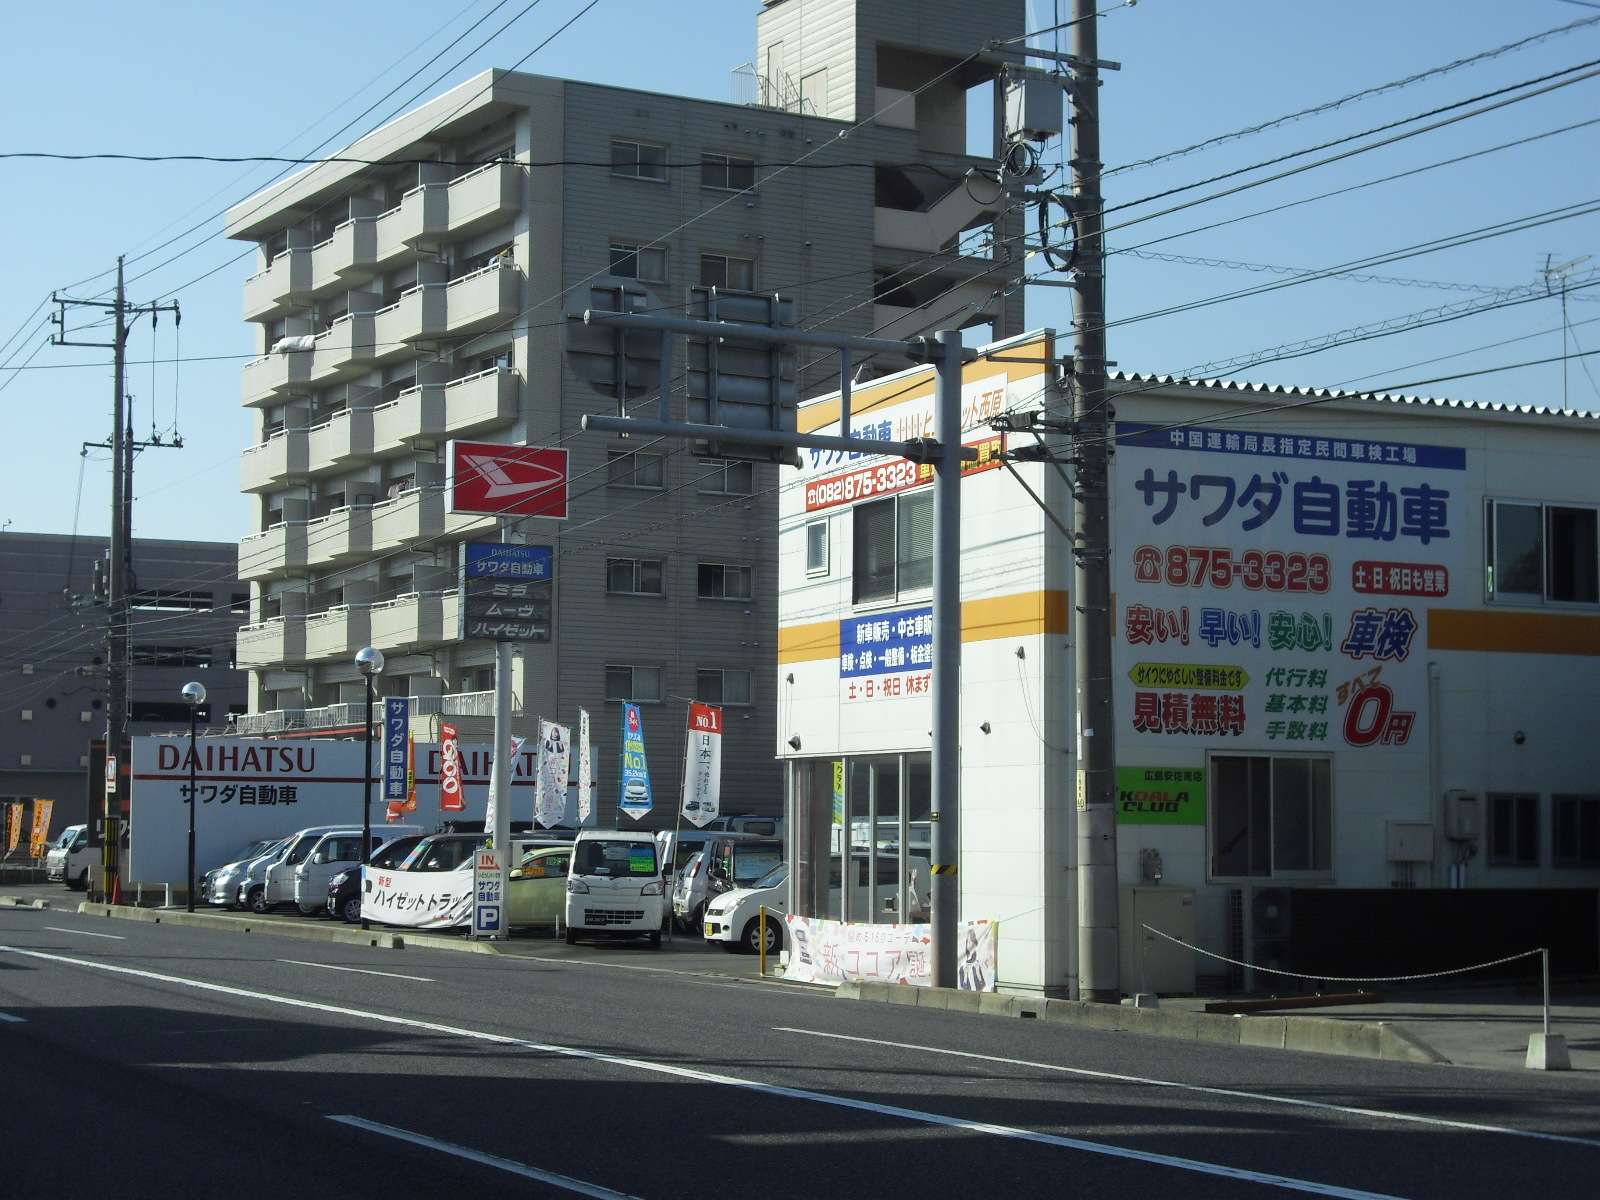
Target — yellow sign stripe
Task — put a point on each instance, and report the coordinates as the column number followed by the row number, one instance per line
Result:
column 1022, row 615
column 1513, row 632
column 806, row 643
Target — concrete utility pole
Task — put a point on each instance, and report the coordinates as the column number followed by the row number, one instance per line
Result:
column 1097, row 760
column 123, row 445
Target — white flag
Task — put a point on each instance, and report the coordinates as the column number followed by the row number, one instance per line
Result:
column 585, row 769
column 554, row 765
column 494, row 774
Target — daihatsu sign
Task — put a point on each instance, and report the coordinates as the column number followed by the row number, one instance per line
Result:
column 507, row 481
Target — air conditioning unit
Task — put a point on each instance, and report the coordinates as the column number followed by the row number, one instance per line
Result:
column 1461, row 813
column 1269, row 929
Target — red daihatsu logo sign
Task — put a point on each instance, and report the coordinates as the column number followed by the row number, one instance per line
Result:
column 519, row 481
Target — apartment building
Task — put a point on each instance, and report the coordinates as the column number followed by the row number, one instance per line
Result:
column 186, row 609
column 418, row 294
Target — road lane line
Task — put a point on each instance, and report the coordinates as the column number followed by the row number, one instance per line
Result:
column 13, row 1020
column 116, row 937
column 1197, row 1087
column 1148, row 1157
column 300, row 962
column 488, row 1160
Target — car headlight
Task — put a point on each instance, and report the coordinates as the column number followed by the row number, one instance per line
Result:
column 338, row 879
column 651, row 889
column 576, row 886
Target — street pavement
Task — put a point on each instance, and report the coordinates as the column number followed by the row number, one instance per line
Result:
column 424, row 1072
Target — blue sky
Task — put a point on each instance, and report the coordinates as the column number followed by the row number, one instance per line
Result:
column 181, row 77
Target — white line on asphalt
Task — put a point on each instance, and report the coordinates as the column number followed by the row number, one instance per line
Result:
column 116, row 937
column 13, row 1020
column 299, row 962
column 1265, row 1097
column 770, row 1089
column 488, row 1160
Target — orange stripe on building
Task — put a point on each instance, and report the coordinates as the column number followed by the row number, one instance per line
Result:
column 1022, row 615
column 1513, row 632
column 805, row 643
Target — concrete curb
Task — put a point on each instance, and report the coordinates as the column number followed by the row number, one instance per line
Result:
column 384, row 939
column 18, row 902
column 1319, row 1035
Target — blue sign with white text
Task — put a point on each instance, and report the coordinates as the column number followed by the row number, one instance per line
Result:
column 396, row 747
column 497, row 560
column 886, row 642
column 636, row 799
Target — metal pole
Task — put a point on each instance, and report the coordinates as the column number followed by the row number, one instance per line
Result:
column 501, row 779
column 1544, row 957
column 945, row 892
column 366, row 795
column 194, row 797
column 1097, row 826
column 117, row 593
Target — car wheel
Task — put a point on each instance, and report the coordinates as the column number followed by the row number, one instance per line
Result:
column 350, row 910
column 256, row 901
column 750, row 942
column 310, row 910
column 83, row 882
column 572, row 937
column 655, row 940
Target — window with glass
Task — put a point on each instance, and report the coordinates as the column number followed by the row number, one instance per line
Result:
column 638, row 160
column 625, row 468
column 1575, row 832
column 648, row 264
column 633, row 684
column 1543, row 553
column 893, row 547
column 1513, row 829
column 634, row 576
column 712, row 686
column 727, row 172
column 726, row 581
column 1270, row 816
column 727, row 274
column 885, row 803
column 817, row 548
column 725, row 478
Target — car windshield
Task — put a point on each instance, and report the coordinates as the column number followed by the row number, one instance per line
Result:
column 66, row 837
column 750, row 863
column 773, row 877
column 615, row 858
column 441, row 854
column 395, row 852
column 301, row 848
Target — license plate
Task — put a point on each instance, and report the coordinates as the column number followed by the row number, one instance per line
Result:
column 711, row 929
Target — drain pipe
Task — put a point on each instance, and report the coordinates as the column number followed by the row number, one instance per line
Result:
column 1435, row 781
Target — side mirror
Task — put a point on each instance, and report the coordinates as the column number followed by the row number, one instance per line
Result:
column 319, row 858
column 516, row 873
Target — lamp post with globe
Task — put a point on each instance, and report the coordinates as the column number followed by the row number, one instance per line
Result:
column 194, row 694
column 369, row 662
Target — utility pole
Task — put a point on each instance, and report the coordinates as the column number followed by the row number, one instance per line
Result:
column 123, row 445
column 1097, row 819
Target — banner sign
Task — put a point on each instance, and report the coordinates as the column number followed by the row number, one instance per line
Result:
column 506, row 481
column 489, row 813
column 832, row 952
column 887, row 655
column 1273, row 591
column 396, row 727
column 417, row 899
column 585, row 770
column 13, row 825
column 39, row 843
column 702, row 764
column 1161, row 796
column 555, row 761
column 488, row 892
column 636, row 799
column 506, row 592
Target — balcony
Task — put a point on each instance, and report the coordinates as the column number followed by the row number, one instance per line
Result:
column 274, row 375
column 274, row 461
column 344, row 716
column 417, row 620
column 344, row 535
column 423, row 216
column 351, row 254
column 418, row 315
column 420, row 516
column 484, row 198
column 344, row 439
column 343, row 350
column 435, row 412
column 285, row 284
column 485, row 299
column 273, row 553
column 273, row 643
column 336, row 633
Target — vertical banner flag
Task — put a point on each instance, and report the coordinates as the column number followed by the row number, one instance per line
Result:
column 40, row 842
column 411, row 774
column 451, row 797
column 555, row 763
column 13, row 826
column 494, row 775
column 396, row 741
column 635, row 771
column 585, row 769
column 702, row 764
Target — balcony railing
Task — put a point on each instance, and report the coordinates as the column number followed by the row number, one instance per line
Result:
column 273, row 292
column 352, row 714
column 273, row 553
column 281, row 456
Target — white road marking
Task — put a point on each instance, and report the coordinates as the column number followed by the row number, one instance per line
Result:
column 357, row 970
column 1264, row 1097
column 488, row 1160
column 769, row 1089
column 116, row 937
column 13, row 1020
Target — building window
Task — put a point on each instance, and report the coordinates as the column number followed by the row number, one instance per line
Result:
column 1575, row 831
column 168, row 600
column 1543, row 552
column 893, row 547
column 637, row 685
column 720, row 581
column 1513, row 829
column 727, row 274
column 172, row 656
column 1270, row 816
column 722, row 687
column 633, row 576
column 648, row 264
column 629, row 468
column 638, row 160
column 719, row 478
column 817, row 548
column 727, row 172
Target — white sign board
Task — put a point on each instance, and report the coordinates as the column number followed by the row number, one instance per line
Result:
column 832, row 952
column 417, row 899
column 488, row 893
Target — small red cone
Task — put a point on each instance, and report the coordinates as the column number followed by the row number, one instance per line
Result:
column 116, row 889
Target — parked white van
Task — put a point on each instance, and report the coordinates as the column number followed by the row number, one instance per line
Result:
column 68, row 860
column 332, row 853
column 614, row 886
column 270, row 879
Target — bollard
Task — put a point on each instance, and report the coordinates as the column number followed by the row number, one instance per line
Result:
column 763, row 939
column 1547, row 1051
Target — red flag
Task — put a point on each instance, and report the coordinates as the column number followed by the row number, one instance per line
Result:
column 451, row 796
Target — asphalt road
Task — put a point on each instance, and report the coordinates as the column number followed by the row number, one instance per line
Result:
column 229, row 1063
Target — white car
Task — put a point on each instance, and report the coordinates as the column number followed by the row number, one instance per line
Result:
column 734, row 918
column 615, row 887
column 68, row 860
column 689, row 893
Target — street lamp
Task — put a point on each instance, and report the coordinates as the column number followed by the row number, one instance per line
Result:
column 194, row 694
column 370, row 663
